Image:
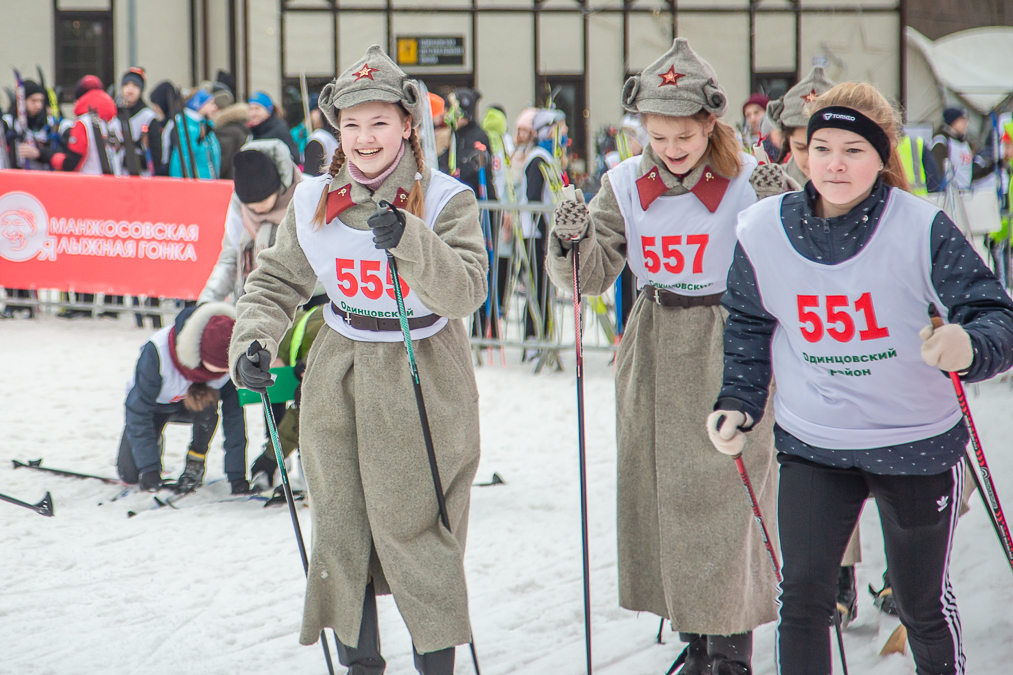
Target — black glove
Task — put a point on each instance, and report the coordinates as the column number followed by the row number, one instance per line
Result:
column 388, row 225
column 254, row 369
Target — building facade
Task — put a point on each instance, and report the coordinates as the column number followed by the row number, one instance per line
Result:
column 516, row 52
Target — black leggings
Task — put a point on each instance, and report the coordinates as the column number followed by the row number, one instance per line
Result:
column 818, row 507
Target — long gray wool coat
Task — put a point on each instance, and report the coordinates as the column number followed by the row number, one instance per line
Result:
column 374, row 509
column 689, row 549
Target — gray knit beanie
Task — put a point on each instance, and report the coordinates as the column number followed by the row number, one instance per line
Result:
column 678, row 84
column 373, row 78
column 789, row 110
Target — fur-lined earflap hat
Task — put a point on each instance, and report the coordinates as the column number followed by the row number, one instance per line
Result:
column 679, row 84
column 375, row 77
column 789, row 111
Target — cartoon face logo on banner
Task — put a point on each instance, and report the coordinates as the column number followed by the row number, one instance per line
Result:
column 24, row 227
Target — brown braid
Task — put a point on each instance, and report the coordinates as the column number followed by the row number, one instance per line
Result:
column 416, row 200
column 337, row 162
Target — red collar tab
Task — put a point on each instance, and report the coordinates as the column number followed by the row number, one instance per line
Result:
column 650, row 187
column 339, row 201
column 401, row 199
column 710, row 189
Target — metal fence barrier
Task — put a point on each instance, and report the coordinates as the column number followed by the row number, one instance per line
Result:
column 529, row 312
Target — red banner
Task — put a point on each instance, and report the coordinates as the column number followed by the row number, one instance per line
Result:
column 158, row 237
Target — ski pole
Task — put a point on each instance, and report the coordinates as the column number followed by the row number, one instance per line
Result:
column 985, row 485
column 37, row 465
column 43, row 508
column 402, row 314
column 280, row 457
column 758, row 516
column 570, row 193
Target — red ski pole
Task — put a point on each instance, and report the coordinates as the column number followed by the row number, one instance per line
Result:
column 985, row 485
column 744, row 475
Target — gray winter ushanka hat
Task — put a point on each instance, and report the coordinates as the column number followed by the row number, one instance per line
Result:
column 678, row 84
column 789, row 110
column 375, row 77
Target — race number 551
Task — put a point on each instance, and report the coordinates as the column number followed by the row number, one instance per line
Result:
column 834, row 316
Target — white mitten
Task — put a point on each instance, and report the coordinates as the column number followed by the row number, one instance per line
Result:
column 772, row 179
column 571, row 217
column 724, row 432
column 947, row 347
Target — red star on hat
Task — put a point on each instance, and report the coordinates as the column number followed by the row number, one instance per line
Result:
column 810, row 97
column 671, row 77
column 365, row 72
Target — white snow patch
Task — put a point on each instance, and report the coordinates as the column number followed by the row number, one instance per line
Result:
column 217, row 589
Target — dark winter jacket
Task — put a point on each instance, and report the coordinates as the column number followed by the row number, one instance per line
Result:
column 981, row 167
column 275, row 127
column 142, row 405
column 471, row 140
column 976, row 301
column 154, row 137
column 232, row 133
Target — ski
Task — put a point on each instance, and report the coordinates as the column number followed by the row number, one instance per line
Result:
column 496, row 480
column 36, row 464
column 43, row 508
column 171, row 501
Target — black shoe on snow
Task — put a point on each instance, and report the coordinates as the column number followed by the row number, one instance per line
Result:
column 847, row 596
column 241, row 486
column 723, row 667
column 694, row 659
column 192, row 476
column 883, row 599
column 263, row 469
column 151, row 481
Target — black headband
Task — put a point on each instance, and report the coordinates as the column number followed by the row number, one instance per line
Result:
column 839, row 117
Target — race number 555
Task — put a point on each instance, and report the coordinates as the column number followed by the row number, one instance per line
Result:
column 840, row 319
column 368, row 280
column 670, row 256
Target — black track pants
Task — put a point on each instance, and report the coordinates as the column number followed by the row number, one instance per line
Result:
column 818, row 507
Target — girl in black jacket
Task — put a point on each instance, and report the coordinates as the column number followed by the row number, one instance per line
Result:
column 830, row 289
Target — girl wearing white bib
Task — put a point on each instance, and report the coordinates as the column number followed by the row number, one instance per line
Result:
column 376, row 524
column 688, row 548
column 829, row 291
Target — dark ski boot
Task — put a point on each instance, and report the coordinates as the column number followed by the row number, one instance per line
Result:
column 694, row 659
column 365, row 658
column 883, row 598
column 435, row 663
column 192, row 476
column 847, row 596
column 151, row 481
column 263, row 469
column 730, row 654
column 241, row 486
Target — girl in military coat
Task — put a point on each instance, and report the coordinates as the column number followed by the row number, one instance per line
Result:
column 376, row 527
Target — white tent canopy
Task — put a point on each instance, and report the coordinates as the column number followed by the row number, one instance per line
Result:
column 970, row 68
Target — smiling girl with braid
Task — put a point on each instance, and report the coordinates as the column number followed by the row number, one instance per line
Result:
column 376, row 527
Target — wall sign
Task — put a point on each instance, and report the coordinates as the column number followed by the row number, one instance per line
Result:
column 430, row 50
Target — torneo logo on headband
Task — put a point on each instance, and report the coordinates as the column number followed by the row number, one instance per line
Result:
column 837, row 116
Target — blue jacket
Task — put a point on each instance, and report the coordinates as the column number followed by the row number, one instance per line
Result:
column 142, row 407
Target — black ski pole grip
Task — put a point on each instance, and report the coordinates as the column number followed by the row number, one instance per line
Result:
column 937, row 321
column 254, row 349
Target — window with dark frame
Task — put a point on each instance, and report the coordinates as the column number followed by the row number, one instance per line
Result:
column 774, row 85
column 83, row 46
column 566, row 92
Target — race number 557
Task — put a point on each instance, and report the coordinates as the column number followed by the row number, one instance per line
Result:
column 837, row 319
column 670, row 256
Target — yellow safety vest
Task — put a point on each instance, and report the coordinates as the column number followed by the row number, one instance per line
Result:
column 911, row 158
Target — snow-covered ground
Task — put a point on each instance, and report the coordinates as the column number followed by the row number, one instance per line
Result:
column 218, row 588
